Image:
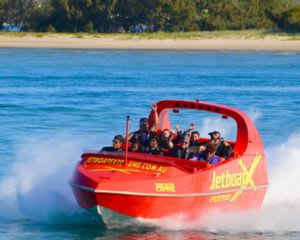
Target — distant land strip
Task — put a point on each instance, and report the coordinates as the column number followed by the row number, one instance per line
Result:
column 228, row 41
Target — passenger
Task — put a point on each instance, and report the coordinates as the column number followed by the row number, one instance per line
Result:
column 194, row 143
column 144, row 133
column 223, row 149
column 183, row 150
column 153, row 147
column 166, row 143
column 136, row 146
column 195, row 137
column 116, row 147
column 207, row 154
column 181, row 134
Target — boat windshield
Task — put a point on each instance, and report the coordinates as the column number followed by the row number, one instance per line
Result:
column 205, row 122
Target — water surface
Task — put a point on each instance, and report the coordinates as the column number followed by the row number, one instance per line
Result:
column 56, row 103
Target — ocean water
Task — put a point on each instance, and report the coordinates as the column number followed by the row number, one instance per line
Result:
column 54, row 104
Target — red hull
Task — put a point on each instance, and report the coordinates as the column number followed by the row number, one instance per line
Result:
column 153, row 187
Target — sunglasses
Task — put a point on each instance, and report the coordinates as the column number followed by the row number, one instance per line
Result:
column 116, row 141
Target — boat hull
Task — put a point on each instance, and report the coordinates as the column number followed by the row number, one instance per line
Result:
column 137, row 185
column 154, row 207
column 232, row 186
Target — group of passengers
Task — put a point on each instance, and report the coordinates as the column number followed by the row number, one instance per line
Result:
column 186, row 144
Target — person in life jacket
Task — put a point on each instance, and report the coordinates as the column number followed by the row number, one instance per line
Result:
column 223, row 149
column 195, row 141
column 166, row 143
column 207, row 154
column 153, row 147
column 144, row 133
column 136, row 146
column 195, row 137
column 182, row 150
column 116, row 146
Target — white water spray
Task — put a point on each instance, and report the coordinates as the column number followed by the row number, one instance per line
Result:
column 280, row 211
column 38, row 185
column 38, row 189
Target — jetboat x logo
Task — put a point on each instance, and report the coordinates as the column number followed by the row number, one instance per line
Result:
column 228, row 180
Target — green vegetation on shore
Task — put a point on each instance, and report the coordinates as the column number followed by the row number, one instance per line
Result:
column 191, row 16
column 245, row 34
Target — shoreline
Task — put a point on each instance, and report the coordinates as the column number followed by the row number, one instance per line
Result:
column 113, row 43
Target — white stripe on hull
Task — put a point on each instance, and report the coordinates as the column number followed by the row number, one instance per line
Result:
column 166, row 194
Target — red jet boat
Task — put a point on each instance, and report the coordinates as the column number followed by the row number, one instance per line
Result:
column 137, row 185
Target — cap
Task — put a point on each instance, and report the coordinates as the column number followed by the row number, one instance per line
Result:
column 119, row 137
column 143, row 121
column 215, row 133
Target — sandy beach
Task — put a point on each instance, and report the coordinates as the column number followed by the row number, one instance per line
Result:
column 216, row 44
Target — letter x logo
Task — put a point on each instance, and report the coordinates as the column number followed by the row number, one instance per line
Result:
column 248, row 177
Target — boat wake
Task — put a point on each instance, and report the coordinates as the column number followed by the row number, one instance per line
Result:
column 37, row 188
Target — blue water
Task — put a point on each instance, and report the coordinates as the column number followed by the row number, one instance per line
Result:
column 54, row 104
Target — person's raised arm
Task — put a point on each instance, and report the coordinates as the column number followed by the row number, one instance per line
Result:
column 178, row 134
column 155, row 118
column 190, row 128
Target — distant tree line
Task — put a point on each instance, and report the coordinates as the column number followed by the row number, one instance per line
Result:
column 150, row 15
